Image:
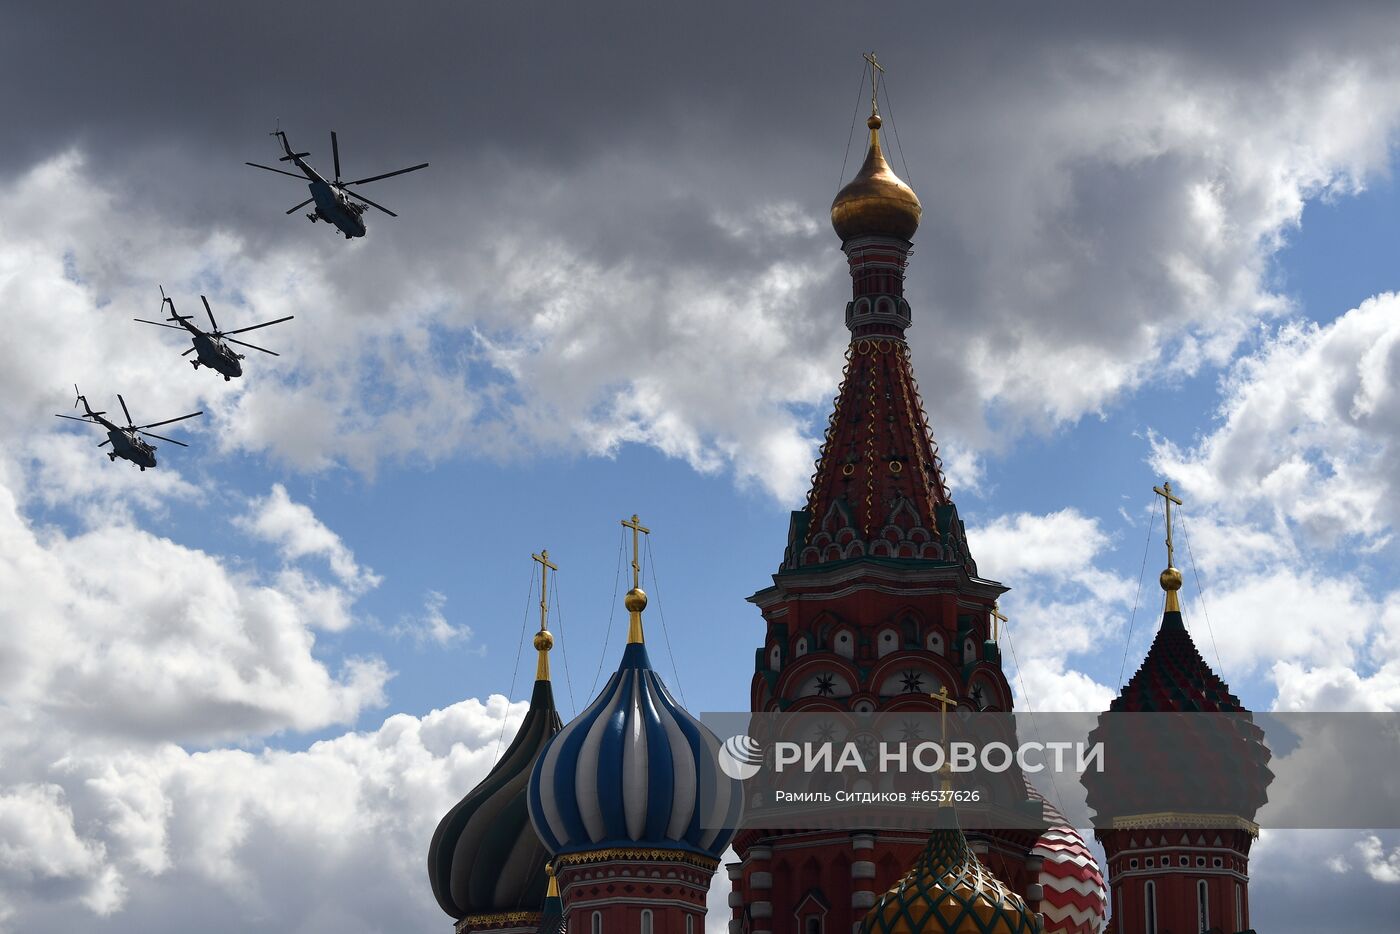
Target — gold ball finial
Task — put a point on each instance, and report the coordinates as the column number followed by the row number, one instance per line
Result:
column 544, row 640
column 874, row 122
column 635, row 600
column 1170, row 580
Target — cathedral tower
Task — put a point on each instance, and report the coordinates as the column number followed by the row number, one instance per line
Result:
column 1176, row 818
column 877, row 603
column 628, row 800
column 486, row 864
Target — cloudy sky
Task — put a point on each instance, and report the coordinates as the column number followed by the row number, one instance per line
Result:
column 239, row 691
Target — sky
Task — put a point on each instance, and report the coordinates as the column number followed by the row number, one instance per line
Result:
column 240, row 690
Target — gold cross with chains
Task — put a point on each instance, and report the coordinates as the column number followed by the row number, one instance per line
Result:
column 636, row 599
column 637, row 531
column 944, row 700
column 997, row 619
column 1165, row 491
column 545, row 568
column 543, row 640
column 875, row 72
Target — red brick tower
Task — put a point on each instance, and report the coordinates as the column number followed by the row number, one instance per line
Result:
column 877, row 603
column 1176, row 813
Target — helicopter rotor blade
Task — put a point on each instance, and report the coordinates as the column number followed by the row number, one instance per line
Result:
column 335, row 154
column 167, row 421
column 129, row 419
column 254, row 327
column 208, row 312
column 298, row 207
column 268, row 168
column 233, row 340
column 356, row 194
column 151, row 434
column 375, row 178
column 159, row 324
column 74, row 418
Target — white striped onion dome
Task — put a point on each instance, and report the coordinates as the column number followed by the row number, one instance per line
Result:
column 634, row 770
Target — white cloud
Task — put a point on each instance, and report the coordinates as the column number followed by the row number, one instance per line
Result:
column 1283, row 862
column 1310, row 431
column 298, row 534
column 1379, row 865
column 1336, row 687
column 308, row 841
column 118, row 631
column 431, row 625
column 1062, row 603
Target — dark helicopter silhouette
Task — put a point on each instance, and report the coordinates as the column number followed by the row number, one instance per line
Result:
column 210, row 346
column 126, row 442
column 335, row 202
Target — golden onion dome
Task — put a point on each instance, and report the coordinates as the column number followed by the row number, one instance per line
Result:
column 877, row 202
column 949, row 891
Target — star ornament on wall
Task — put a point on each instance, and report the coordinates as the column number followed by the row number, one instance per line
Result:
column 913, row 682
column 826, row 685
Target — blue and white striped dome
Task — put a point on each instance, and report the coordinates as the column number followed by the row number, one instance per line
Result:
column 633, row 770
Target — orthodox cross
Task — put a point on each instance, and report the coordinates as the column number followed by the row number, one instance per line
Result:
column 944, row 701
column 545, row 568
column 997, row 619
column 875, row 72
column 637, row 531
column 1165, row 491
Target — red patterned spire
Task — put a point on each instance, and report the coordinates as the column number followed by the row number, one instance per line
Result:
column 879, row 489
column 879, row 484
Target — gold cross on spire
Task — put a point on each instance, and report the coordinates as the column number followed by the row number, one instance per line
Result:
column 1171, row 577
column 875, row 71
column 1165, row 491
column 636, row 599
column 998, row 617
column 543, row 640
column 545, row 568
column 944, row 700
column 637, row 531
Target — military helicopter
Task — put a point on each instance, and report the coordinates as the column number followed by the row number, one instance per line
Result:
column 125, row 441
column 335, row 202
column 209, row 345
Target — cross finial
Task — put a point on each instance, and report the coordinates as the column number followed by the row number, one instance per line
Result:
column 543, row 640
column 875, row 71
column 636, row 599
column 944, row 700
column 1171, row 577
column 998, row 617
column 1165, row 491
column 637, row 531
column 545, row 567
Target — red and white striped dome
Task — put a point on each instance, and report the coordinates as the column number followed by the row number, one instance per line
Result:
column 1075, row 901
